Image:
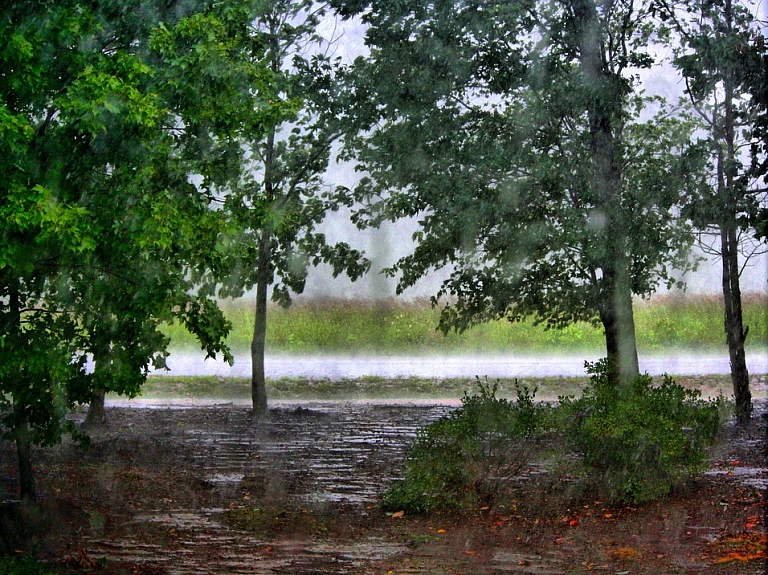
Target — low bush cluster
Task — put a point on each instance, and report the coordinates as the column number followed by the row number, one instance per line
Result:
column 463, row 459
column 636, row 442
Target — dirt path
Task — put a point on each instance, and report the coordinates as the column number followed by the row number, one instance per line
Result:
column 206, row 490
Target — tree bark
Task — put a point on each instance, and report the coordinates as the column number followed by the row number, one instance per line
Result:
column 604, row 109
column 258, row 343
column 96, row 415
column 726, row 184
column 27, row 490
column 734, row 324
column 617, row 317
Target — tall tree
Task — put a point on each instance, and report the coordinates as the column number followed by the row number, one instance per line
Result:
column 512, row 131
column 277, row 206
column 720, row 56
column 103, row 230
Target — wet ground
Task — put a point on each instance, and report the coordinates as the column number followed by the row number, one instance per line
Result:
column 208, row 490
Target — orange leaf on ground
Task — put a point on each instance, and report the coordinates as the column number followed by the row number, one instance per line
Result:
column 398, row 514
column 441, row 531
column 608, row 515
column 573, row 522
column 468, row 552
column 739, row 557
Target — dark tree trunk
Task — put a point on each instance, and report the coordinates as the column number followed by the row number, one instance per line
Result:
column 96, row 415
column 604, row 109
column 617, row 317
column 24, row 453
column 734, row 324
column 727, row 193
column 258, row 343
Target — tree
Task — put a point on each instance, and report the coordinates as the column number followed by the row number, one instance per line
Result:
column 103, row 230
column 276, row 207
column 512, row 131
column 720, row 56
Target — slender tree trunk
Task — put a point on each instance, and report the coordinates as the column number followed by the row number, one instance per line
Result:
column 27, row 490
column 258, row 343
column 21, row 430
column 734, row 324
column 726, row 176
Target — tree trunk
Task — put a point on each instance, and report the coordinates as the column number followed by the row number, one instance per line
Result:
column 604, row 107
column 24, row 453
column 258, row 343
column 734, row 323
column 726, row 176
column 96, row 416
column 617, row 317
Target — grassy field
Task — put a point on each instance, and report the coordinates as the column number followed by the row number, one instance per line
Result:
column 548, row 388
column 395, row 327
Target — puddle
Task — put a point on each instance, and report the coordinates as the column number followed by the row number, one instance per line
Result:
column 508, row 562
column 318, row 454
column 751, row 476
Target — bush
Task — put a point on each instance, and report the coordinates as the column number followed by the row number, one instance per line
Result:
column 464, row 459
column 637, row 440
column 22, row 566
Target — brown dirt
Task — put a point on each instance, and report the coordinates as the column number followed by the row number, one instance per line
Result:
column 207, row 490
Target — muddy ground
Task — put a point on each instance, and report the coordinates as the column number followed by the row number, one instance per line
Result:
column 205, row 489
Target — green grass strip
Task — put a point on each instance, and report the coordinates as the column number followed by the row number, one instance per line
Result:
column 548, row 388
column 394, row 327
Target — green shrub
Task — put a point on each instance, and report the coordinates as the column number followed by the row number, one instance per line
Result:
column 465, row 458
column 22, row 566
column 637, row 440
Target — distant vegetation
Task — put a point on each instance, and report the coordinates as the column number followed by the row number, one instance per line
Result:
column 393, row 327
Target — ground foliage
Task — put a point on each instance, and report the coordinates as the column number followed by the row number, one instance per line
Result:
column 465, row 459
column 636, row 441
column 639, row 441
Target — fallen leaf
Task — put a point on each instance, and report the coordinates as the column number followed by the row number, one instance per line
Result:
column 735, row 462
column 468, row 552
column 523, row 562
column 573, row 522
column 608, row 515
column 486, row 508
column 398, row 514
column 750, row 525
column 441, row 531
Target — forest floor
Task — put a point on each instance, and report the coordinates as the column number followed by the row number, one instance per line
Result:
column 205, row 489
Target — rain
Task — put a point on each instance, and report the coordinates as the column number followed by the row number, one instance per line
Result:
column 381, row 287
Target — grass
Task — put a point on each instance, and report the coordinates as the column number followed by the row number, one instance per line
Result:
column 548, row 388
column 394, row 327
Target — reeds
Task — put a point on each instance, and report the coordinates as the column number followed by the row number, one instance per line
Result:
column 663, row 323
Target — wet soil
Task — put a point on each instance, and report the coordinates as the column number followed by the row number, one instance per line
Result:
column 205, row 489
